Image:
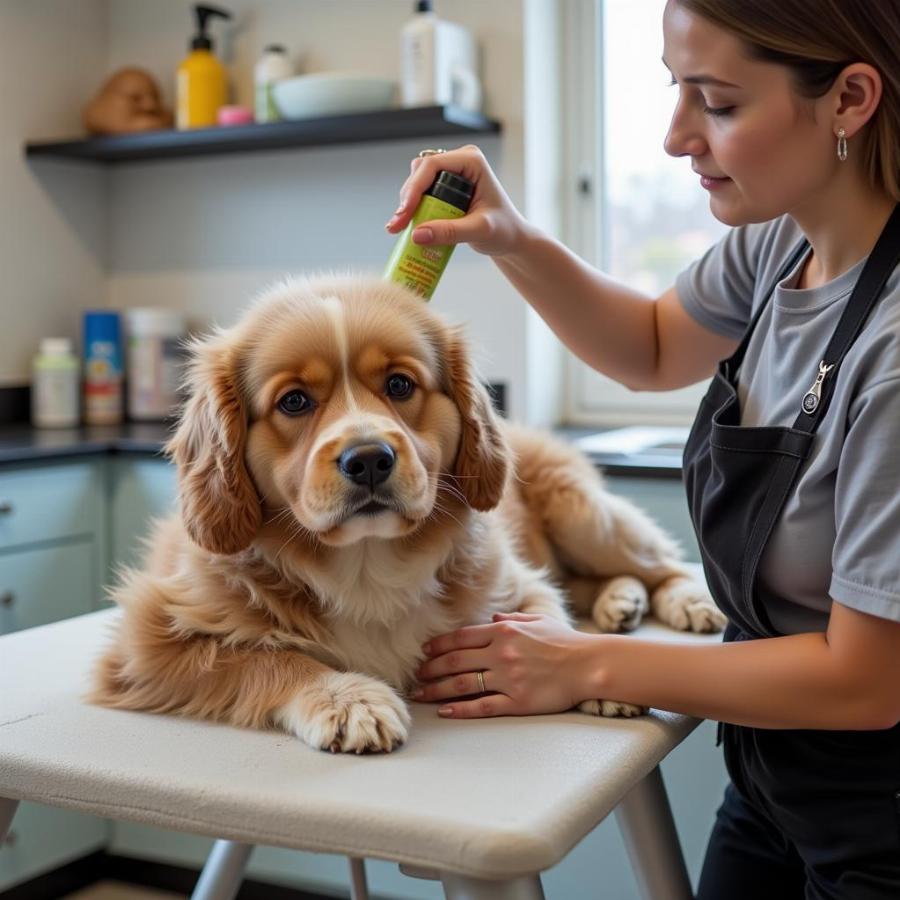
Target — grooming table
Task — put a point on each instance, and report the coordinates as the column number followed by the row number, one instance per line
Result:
column 484, row 805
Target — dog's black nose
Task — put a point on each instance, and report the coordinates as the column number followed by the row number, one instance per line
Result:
column 367, row 464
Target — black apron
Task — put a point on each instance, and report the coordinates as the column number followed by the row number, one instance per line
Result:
column 738, row 480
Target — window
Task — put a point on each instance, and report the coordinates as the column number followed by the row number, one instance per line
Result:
column 640, row 215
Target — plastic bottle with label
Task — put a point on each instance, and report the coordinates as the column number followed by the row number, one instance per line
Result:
column 420, row 266
column 55, row 385
column 154, row 362
column 272, row 66
column 102, row 368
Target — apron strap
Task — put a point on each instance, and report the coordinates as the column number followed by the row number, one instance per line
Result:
column 881, row 263
column 732, row 364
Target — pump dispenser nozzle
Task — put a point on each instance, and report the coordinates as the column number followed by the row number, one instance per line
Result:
column 201, row 40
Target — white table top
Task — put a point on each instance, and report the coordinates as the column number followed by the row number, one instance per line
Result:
column 491, row 798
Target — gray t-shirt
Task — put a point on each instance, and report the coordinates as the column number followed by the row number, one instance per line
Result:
column 839, row 533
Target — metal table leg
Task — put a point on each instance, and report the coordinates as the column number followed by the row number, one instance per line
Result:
column 359, row 888
column 645, row 820
column 461, row 887
column 7, row 811
column 223, row 871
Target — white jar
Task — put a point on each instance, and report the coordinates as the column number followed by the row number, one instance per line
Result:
column 154, row 357
column 272, row 66
column 55, row 385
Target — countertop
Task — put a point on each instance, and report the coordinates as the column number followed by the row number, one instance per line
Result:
column 22, row 442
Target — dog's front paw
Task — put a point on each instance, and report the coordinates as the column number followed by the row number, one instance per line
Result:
column 621, row 604
column 345, row 712
column 685, row 604
column 611, row 708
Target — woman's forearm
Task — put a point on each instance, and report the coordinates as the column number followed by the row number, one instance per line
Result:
column 609, row 326
column 783, row 682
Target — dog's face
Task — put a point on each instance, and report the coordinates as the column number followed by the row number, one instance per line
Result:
column 340, row 409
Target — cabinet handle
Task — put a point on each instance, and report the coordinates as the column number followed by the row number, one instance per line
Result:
column 6, row 507
column 7, row 599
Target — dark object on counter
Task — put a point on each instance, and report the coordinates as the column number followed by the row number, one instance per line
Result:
column 128, row 102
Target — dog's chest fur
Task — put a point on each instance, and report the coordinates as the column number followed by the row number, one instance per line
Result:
column 381, row 604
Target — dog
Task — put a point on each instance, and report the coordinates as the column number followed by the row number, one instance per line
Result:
column 346, row 493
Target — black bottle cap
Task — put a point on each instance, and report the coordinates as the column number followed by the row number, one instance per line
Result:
column 452, row 189
column 423, row 6
column 201, row 40
column 274, row 48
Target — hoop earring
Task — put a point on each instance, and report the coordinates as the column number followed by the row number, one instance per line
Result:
column 842, row 144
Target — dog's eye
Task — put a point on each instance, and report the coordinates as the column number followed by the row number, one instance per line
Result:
column 399, row 387
column 294, row 403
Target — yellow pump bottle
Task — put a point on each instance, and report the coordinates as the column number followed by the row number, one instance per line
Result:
column 202, row 85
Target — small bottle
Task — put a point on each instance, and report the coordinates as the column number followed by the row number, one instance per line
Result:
column 417, row 53
column 102, row 368
column 54, row 385
column 420, row 266
column 154, row 362
column 272, row 66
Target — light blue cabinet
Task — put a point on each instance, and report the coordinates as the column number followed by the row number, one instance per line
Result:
column 53, row 553
column 141, row 489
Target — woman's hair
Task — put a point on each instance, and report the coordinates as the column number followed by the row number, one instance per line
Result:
column 816, row 40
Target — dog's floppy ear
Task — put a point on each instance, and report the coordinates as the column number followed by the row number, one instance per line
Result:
column 219, row 503
column 482, row 461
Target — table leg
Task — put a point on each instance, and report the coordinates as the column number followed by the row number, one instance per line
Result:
column 461, row 887
column 223, row 871
column 645, row 820
column 7, row 811
column 359, row 888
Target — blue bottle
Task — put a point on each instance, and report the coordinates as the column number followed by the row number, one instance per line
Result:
column 102, row 368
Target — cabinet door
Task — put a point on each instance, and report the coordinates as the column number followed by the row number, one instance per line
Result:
column 45, row 584
column 43, row 838
column 141, row 489
column 48, row 501
column 39, row 586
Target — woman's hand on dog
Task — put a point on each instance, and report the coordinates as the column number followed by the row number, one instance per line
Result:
column 530, row 664
column 492, row 225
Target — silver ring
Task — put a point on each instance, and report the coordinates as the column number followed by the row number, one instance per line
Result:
column 481, row 688
column 424, row 153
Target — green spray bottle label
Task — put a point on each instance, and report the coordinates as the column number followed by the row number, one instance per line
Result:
column 420, row 266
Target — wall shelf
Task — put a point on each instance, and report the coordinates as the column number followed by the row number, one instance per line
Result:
column 385, row 125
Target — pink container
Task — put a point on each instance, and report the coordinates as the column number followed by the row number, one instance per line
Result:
column 234, row 115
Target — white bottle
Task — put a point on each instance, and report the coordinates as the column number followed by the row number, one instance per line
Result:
column 154, row 362
column 55, row 385
column 417, row 50
column 272, row 66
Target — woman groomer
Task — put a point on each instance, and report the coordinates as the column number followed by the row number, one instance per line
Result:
column 789, row 111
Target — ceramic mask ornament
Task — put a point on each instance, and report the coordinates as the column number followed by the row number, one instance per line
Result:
column 129, row 101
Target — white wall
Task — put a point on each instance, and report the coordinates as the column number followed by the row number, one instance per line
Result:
column 206, row 235
column 53, row 216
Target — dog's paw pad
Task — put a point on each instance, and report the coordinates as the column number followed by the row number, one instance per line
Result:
column 686, row 604
column 348, row 713
column 621, row 605
column 610, row 708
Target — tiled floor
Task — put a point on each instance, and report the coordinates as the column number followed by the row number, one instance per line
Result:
column 115, row 890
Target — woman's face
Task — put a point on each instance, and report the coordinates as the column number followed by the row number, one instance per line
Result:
column 764, row 150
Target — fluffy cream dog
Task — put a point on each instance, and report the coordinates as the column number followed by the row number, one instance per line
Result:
column 346, row 494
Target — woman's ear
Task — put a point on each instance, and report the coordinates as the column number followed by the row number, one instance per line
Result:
column 857, row 92
column 219, row 502
column 482, row 461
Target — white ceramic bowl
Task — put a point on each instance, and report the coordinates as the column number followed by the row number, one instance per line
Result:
column 331, row 94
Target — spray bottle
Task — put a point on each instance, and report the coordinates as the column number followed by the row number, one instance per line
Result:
column 202, row 84
column 420, row 266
